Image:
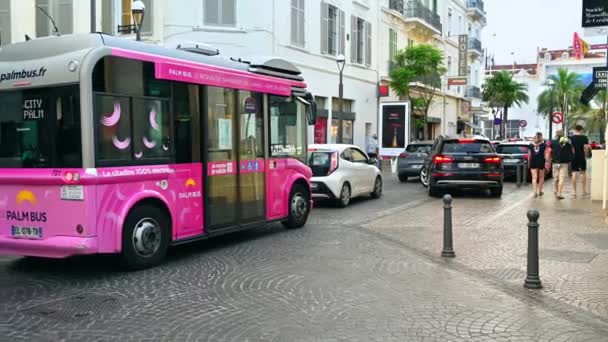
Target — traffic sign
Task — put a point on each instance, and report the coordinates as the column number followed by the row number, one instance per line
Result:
column 523, row 123
column 557, row 117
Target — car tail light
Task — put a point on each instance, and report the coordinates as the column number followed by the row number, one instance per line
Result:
column 404, row 155
column 466, row 141
column 438, row 159
column 526, row 156
column 333, row 166
column 492, row 160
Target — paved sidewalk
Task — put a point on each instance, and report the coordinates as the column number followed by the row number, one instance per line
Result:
column 490, row 240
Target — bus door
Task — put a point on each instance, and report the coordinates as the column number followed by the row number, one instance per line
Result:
column 235, row 185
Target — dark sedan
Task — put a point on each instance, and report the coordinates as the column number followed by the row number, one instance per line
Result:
column 413, row 159
column 513, row 155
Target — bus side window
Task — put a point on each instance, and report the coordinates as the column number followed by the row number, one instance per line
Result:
column 187, row 121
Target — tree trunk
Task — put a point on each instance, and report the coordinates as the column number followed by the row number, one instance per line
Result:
column 503, row 122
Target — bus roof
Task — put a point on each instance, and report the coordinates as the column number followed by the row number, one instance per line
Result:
column 49, row 52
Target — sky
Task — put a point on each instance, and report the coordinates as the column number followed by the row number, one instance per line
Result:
column 522, row 26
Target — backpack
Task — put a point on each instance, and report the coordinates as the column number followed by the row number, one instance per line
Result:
column 565, row 153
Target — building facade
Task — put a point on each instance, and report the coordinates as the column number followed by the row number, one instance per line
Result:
column 309, row 33
column 524, row 121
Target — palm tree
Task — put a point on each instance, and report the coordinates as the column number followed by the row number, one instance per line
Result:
column 567, row 88
column 594, row 116
column 502, row 91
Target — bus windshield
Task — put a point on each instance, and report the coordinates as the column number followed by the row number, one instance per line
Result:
column 40, row 128
column 287, row 128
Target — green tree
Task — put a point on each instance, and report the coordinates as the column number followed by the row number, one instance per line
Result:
column 564, row 92
column 416, row 76
column 594, row 116
column 502, row 91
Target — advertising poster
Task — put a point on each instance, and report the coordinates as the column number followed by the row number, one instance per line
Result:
column 595, row 13
column 394, row 128
column 321, row 131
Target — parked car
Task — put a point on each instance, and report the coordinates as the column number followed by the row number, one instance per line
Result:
column 459, row 162
column 513, row 154
column 411, row 161
column 342, row 172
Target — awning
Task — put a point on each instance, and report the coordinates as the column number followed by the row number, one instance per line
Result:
column 433, row 120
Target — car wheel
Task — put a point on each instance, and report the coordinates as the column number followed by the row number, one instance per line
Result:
column 299, row 207
column 345, row 194
column 377, row 188
column 402, row 178
column 496, row 192
column 424, row 177
column 145, row 237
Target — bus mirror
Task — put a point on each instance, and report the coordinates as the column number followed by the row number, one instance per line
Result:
column 312, row 109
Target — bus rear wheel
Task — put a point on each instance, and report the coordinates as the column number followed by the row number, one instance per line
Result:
column 145, row 237
column 299, row 207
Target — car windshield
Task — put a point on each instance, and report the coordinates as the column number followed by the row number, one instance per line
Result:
column 475, row 146
column 418, row 148
column 512, row 149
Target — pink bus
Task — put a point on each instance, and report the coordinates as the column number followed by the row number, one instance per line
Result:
column 114, row 146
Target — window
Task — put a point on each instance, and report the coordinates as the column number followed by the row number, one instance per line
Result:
column 450, row 21
column 478, row 146
column 107, row 17
column 361, row 40
column 333, row 33
column 60, row 10
column 358, row 156
column 5, row 22
column 40, row 128
column 547, row 57
column 392, row 44
column 410, row 42
column 449, row 71
column 132, row 113
column 565, row 56
column 287, row 128
column 187, row 123
column 459, row 28
column 127, row 16
column 297, row 23
column 220, row 12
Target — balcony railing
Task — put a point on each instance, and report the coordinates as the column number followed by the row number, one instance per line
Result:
column 472, row 92
column 415, row 9
column 475, row 4
column 475, row 44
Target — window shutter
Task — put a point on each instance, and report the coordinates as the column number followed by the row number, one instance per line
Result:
column 368, row 43
column 65, row 16
column 107, row 17
column 5, row 22
column 211, row 12
column 324, row 27
column 353, row 39
column 302, row 24
column 43, row 25
column 147, row 25
column 228, row 12
column 342, row 33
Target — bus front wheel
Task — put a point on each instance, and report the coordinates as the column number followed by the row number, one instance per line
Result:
column 299, row 207
column 145, row 237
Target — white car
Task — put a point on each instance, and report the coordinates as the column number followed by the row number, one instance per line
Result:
column 341, row 172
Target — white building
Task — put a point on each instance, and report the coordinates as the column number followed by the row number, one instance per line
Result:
column 535, row 76
column 310, row 33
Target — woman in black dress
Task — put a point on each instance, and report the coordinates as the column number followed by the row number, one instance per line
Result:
column 538, row 164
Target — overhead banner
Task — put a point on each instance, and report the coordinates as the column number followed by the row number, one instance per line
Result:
column 394, row 129
column 595, row 13
column 463, row 46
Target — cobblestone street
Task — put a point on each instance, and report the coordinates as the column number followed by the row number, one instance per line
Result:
column 370, row 272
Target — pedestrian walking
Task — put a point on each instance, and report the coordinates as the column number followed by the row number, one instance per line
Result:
column 581, row 146
column 561, row 154
column 537, row 157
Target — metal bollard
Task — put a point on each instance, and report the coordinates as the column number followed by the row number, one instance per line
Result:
column 533, row 277
column 518, row 180
column 524, row 171
column 448, row 249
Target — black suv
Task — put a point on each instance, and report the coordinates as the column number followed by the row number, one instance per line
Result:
column 464, row 163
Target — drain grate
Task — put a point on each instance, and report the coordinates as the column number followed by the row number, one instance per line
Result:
column 508, row 273
column 599, row 241
column 76, row 307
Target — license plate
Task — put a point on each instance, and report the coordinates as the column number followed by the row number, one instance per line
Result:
column 468, row 165
column 27, row 232
column 510, row 161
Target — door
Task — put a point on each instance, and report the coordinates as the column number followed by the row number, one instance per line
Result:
column 221, row 188
column 364, row 169
column 251, row 171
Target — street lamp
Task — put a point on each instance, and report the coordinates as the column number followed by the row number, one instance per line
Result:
column 138, row 11
column 341, row 61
